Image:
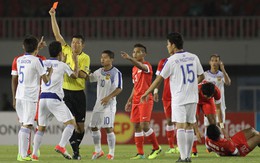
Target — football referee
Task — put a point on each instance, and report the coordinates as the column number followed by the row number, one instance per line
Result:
column 74, row 95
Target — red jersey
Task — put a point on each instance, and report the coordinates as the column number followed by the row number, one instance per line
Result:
column 142, row 81
column 14, row 64
column 222, row 147
column 216, row 96
column 166, row 88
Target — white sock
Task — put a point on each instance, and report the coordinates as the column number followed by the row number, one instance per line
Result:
column 96, row 135
column 181, row 141
column 37, row 142
column 66, row 134
column 19, row 142
column 111, row 142
column 189, row 141
column 24, row 140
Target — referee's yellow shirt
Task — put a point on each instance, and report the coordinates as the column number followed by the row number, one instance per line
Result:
column 84, row 62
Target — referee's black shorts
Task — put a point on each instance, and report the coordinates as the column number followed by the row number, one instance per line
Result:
column 76, row 102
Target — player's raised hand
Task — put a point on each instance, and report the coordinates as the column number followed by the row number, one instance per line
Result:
column 52, row 12
column 41, row 43
column 124, row 55
column 128, row 106
column 221, row 66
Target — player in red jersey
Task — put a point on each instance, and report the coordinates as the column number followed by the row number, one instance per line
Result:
column 14, row 85
column 166, row 99
column 240, row 144
column 141, row 112
column 210, row 104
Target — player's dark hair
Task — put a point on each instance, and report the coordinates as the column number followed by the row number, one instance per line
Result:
column 140, row 46
column 213, row 132
column 215, row 55
column 176, row 38
column 30, row 43
column 79, row 37
column 109, row 53
column 55, row 48
column 208, row 89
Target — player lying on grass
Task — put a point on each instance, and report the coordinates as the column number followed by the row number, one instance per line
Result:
column 240, row 144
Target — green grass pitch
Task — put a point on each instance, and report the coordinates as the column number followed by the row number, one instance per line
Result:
column 124, row 152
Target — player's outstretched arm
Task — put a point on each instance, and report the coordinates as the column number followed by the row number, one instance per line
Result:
column 134, row 61
column 55, row 27
column 128, row 105
column 200, row 78
column 154, row 85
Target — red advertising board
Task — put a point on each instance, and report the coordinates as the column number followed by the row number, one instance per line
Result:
column 124, row 129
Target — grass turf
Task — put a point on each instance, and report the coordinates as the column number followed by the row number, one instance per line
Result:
column 123, row 154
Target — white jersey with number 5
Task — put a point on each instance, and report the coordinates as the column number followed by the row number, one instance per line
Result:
column 30, row 69
column 107, row 82
column 55, row 84
column 183, row 68
column 219, row 81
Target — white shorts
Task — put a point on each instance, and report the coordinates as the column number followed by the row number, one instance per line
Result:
column 26, row 111
column 102, row 119
column 184, row 113
column 53, row 106
column 206, row 122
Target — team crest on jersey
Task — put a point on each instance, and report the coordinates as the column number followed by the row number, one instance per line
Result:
column 219, row 78
column 107, row 76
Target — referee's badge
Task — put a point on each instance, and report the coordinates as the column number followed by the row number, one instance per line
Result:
column 107, row 76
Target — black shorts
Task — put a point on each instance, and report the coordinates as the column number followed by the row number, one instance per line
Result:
column 76, row 102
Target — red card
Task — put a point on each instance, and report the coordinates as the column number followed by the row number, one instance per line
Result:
column 55, row 4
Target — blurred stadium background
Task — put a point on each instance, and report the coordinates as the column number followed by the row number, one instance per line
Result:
column 230, row 28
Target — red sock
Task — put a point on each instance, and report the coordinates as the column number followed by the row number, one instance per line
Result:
column 139, row 142
column 194, row 147
column 170, row 137
column 152, row 138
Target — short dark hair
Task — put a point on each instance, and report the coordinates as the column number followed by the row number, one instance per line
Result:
column 79, row 37
column 213, row 132
column 208, row 89
column 30, row 43
column 109, row 53
column 215, row 55
column 140, row 46
column 55, row 48
column 176, row 38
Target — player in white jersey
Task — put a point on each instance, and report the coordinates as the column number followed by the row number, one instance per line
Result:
column 51, row 100
column 30, row 71
column 109, row 85
column 219, row 78
column 185, row 71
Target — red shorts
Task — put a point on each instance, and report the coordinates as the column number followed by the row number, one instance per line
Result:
column 208, row 107
column 141, row 112
column 240, row 142
column 167, row 106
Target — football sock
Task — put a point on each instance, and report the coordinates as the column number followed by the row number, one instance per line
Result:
column 29, row 144
column 37, row 142
column 74, row 143
column 66, row 134
column 181, row 141
column 139, row 142
column 170, row 135
column 96, row 135
column 189, row 134
column 194, row 147
column 80, row 137
column 152, row 138
column 111, row 141
column 24, row 138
